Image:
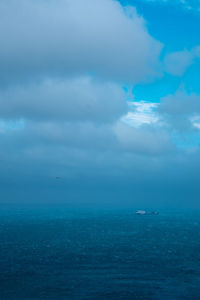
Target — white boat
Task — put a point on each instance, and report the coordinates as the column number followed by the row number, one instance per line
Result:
column 144, row 212
column 141, row 212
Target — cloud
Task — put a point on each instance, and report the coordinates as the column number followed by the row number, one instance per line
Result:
column 78, row 135
column 180, row 110
column 176, row 63
column 66, row 37
column 180, row 103
column 79, row 147
column 77, row 99
column 117, row 137
column 147, row 140
column 140, row 113
column 63, row 111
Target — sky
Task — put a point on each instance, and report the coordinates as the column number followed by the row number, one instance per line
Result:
column 104, row 94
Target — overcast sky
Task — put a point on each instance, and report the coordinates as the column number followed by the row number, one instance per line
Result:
column 104, row 94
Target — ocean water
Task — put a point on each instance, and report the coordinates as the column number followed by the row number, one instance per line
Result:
column 99, row 255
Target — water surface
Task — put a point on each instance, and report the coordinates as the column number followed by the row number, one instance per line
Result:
column 54, row 254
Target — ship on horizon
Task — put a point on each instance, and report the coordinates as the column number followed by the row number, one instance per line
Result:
column 144, row 212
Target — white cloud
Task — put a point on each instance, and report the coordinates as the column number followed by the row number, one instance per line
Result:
column 140, row 113
column 196, row 121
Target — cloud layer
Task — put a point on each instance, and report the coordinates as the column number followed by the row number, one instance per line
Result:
column 65, row 37
column 77, row 99
column 63, row 106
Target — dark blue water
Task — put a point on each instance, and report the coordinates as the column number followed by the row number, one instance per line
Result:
column 99, row 255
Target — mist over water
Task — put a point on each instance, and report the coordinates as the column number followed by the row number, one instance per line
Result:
column 98, row 254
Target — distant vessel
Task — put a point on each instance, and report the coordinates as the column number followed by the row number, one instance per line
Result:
column 144, row 212
column 141, row 212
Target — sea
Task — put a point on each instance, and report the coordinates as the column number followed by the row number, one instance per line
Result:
column 64, row 254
